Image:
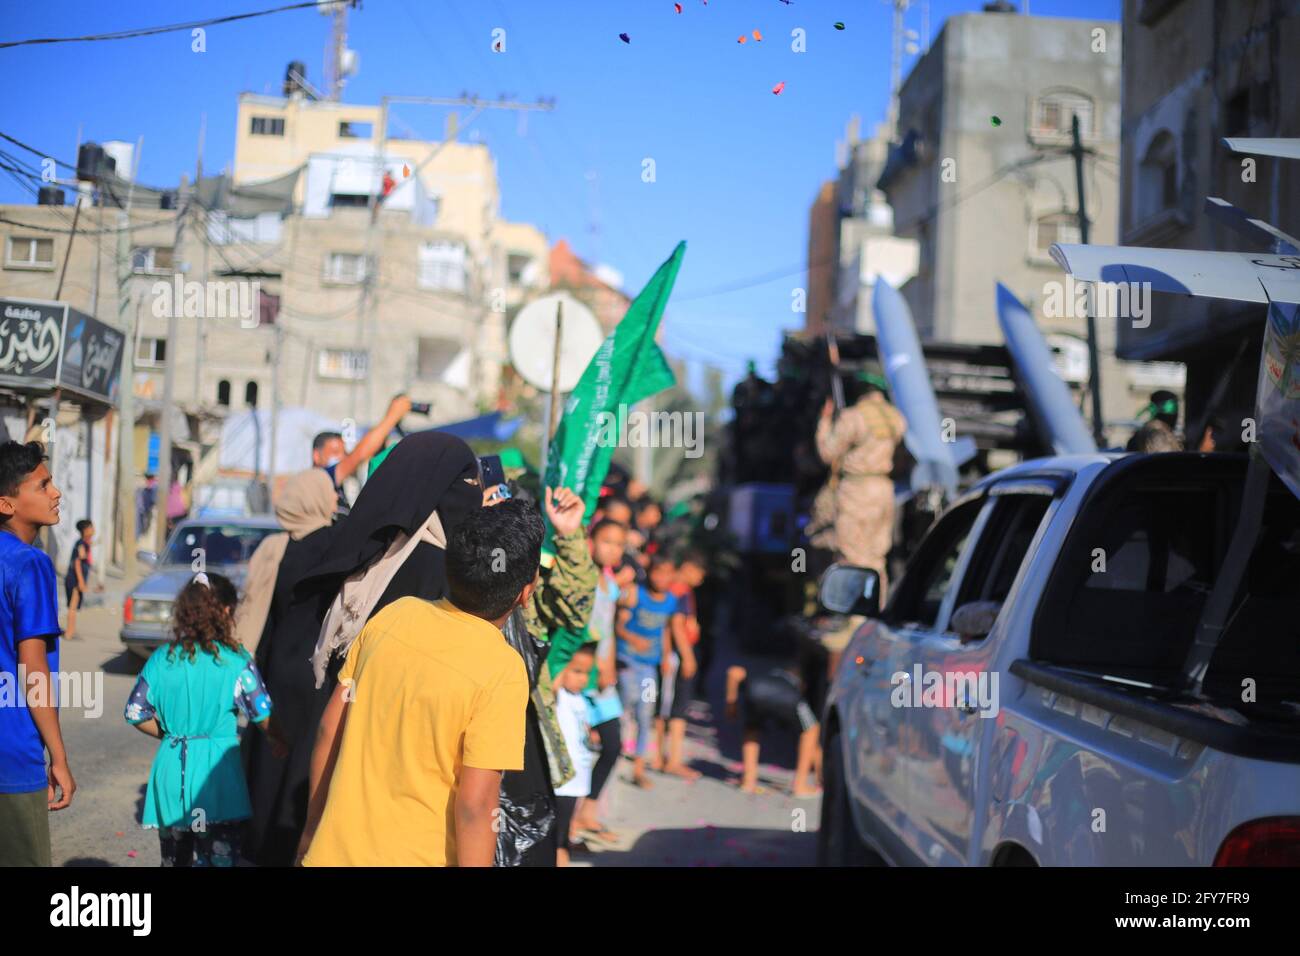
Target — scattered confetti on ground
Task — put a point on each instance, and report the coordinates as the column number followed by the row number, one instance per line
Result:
column 776, row 90
column 131, row 853
column 625, row 38
column 119, row 833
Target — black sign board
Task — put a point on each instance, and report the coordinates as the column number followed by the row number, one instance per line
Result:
column 31, row 340
column 44, row 345
column 92, row 357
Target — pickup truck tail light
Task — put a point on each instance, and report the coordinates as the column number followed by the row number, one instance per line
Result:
column 128, row 610
column 1274, row 841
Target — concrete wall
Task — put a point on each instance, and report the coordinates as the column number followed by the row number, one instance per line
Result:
column 980, row 224
column 1182, row 73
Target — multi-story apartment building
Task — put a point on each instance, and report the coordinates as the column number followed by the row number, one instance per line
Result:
column 982, row 179
column 355, row 307
column 1195, row 72
column 287, row 291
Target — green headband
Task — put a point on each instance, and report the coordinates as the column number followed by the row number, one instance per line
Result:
column 1168, row 407
column 879, row 381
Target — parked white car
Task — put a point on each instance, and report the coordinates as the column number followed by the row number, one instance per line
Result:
column 1020, row 700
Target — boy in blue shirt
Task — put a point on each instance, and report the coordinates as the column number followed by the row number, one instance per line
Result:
column 644, row 630
column 29, row 655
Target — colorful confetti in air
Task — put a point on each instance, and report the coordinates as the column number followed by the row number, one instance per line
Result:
column 995, row 120
column 839, row 24
column 776, row 90
column 677, row 7
column 758, row 36
column 406, row 171
column 625, row 38
column 742, row 38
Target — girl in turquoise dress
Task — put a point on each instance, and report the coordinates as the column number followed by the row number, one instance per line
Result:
column 189, row 695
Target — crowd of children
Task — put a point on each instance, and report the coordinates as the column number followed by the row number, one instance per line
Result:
column 628, row 689
column 625, row 691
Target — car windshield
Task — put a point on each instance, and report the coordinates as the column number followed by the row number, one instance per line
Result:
column 220, row 543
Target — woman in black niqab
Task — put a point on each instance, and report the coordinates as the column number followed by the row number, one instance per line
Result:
column 426, row 471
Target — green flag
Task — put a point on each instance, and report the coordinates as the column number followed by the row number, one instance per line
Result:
column 626, row 368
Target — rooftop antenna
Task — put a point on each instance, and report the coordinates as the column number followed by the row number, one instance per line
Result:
column 896, row 64
column 341, row 62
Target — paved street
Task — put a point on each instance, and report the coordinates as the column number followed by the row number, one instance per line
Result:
column 703, row 823
column 109, row 760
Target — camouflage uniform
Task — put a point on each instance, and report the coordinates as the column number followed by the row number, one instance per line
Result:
column 859, row 446
column 561, row 605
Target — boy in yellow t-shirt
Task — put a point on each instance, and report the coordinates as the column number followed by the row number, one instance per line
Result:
column 429, row 711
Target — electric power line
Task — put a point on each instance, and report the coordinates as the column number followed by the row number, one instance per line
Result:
column 153, row 31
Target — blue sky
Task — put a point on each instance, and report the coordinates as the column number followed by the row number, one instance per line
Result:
column 736, row 167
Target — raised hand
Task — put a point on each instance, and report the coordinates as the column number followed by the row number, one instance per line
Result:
column 564, row 509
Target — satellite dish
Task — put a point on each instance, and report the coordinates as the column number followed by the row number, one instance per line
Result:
column 532, row 341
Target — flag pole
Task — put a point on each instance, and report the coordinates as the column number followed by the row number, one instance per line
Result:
column 553, row 418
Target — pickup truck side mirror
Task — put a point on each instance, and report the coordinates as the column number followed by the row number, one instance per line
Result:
column 845, row 589
column 974, row 620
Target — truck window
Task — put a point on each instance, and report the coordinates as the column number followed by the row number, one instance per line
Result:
column 1262, row 639
column 1129, row 588
column 1003, row 547
column 920, row 593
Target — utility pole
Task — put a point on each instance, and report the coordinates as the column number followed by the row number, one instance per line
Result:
column 126, row 389
column 206, row 239
column 278, row 338
column 896, row 65
column 1094, row 363
column 169, row 384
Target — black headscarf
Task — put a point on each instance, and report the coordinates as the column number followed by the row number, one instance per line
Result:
column 424, row 471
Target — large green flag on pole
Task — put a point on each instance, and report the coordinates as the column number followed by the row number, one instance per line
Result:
column 626, row 368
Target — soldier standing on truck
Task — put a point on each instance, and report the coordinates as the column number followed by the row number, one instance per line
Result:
column 859, row 445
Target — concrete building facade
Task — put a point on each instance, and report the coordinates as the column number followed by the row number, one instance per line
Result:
column 1196, row 71
column 866, row 245
column 982, row 180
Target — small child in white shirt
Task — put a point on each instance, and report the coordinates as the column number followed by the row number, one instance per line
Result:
column 571, row 711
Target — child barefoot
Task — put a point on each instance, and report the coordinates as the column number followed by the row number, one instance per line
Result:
column 643, row 631
column 774, row 697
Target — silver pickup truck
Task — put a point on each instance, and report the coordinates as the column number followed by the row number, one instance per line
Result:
column 1020, row 700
